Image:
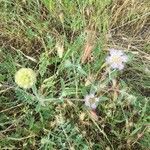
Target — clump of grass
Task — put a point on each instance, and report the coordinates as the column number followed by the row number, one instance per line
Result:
column 52, row 114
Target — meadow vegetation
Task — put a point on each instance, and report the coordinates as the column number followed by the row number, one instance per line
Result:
column 66, row 43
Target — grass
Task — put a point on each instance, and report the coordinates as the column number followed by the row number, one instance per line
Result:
column 66, row 43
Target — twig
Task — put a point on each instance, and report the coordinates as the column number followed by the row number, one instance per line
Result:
column 11, row 108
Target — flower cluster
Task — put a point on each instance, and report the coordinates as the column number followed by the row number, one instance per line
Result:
column 26, row 77
column 116, row 60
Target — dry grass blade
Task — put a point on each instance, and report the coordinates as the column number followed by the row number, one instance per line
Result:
column 88, row 46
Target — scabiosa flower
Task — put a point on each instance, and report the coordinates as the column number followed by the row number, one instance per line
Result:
column 25, row 78
column 116, row 59
column 91, row 101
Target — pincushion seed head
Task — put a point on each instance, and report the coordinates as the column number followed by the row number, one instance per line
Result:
column 25, row 78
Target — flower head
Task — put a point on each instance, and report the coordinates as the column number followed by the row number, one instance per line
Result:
column 25, row 78
column 91, row 101
column 116, row 59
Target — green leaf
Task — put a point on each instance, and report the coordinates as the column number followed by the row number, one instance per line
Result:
column 135, row 131
column 43, row 63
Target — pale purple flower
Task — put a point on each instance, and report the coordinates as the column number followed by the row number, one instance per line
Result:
column 91, row 101
column 116, row 59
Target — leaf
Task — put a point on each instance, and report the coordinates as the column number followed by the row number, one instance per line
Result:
column 44, row 62
column 2, row 78
column 135, row 131
column 24, row 96
column 81, row 71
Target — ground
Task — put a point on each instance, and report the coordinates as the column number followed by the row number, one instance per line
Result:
column 66, row 43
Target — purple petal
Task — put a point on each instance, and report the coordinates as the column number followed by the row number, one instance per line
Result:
column 114, row 65
column 121, row 66
column 124, row 58
column 112, row 51
column 115, row 52
column 93, row 106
